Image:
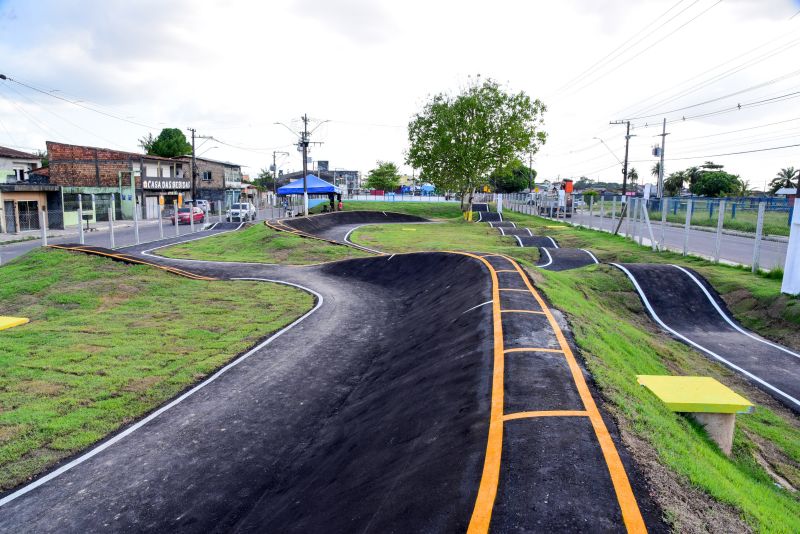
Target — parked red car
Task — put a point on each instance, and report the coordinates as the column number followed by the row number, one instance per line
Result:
column 197, row 214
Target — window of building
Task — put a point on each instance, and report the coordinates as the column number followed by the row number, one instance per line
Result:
column 71, row 202
column 206, row 176
column 151, row 171
column 165, row 171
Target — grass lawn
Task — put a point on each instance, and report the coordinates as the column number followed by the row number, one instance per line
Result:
column 698, row 487
column 108, row 342
column 432, row 210
column 261, row 244
column 454, row 234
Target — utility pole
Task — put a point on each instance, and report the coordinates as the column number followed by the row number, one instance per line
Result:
column 530, row 172
column 625, row 165
column 660, row 186
column 304, row 143
column 194, row 167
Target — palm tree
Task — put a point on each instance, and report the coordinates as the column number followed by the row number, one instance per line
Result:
column 782, row 179
column 656, row 169
column 633, row 176
column 742, row 188
column 692, row 175
column 674, row 183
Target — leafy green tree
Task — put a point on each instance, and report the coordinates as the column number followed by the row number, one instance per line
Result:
column 170, row 143
column 42, row 155
column 385, row 177
column 265, row 181
column 512, row 178
column 783, row 179
column 715, row 184
column 692, row 175
column 673, row 184
column 146, row 142
column 458, row 141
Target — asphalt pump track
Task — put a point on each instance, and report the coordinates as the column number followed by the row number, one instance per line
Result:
column 424, row 392
column 683, row 303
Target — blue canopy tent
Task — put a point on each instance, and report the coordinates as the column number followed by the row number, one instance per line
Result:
column 315, row 185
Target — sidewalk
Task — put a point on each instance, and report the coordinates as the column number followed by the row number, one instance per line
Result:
column 73, row 230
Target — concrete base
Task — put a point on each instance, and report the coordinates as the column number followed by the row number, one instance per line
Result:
column 719, row 427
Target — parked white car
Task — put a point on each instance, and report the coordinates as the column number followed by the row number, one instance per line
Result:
column 241, row 212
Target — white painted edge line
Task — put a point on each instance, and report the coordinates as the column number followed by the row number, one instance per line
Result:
column 590, row 255
column 133, row 428
column 553, row 241
column 519, row 241
column 502, row 231
column 480, row 217
column 476, row 307
column 549, row 258
column 529, row 232
column 356, row 245
column 728, row 319
column 657, row 319
column 149, row 250
column 501, row 217
column 390, row 257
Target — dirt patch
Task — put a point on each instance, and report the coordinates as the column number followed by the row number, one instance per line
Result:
column 774, row 316
column 686, row 509
column 783, row 470
column 40, row 388
column 142, row 384
column 10, row 431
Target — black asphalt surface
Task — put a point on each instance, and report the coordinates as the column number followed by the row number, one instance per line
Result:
column 487, row 216
column 369, row 415
column 481, row 206
column 502, row 224
column 536, row 241
column 515, row 231
column 337, row 226
column 678, row 302
column 562, row 259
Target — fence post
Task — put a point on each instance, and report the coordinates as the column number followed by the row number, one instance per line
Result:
column 160, row 219
column 720, row 220
column 759, row 229
column 111, row 222
column 136, row 221
column 80, row 219
column 191, row 219
column 613, row 212
column 175, row 210
column 646, row 216
column 219, row 210
column 43, row 225
column 686, row 227
column 664, row 208
column 628, row 202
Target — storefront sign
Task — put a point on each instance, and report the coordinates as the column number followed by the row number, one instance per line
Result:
column 165, row 184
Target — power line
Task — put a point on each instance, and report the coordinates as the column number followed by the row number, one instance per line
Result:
column 739, row 130
column 602, row 60
column 717, row 77
column 751, row 88
column 75, row 103
column 726, row 154
column 651, row 46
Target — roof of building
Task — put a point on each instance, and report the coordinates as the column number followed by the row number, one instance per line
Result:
column 132, row 154
column 6, row 152
column 41, row 171
column 220, row 162
column 786, row 191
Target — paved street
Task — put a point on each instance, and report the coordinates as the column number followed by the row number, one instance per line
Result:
column 733, row 248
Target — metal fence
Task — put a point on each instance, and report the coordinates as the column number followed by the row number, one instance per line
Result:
column 106, row 228
column 750, row 232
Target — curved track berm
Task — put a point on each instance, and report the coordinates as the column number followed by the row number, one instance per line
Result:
column 682, row 302
column 337, row 226
column 385, row 409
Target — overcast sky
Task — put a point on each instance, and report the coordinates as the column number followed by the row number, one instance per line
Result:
column 231, row 69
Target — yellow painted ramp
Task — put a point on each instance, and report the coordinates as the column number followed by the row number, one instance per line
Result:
column 10, row 322
column 695, row 394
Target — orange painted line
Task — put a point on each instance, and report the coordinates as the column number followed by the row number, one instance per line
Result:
column 545, row 413
column 490, row 477
column 529, row 349
column 524, row 311
column 631, row 514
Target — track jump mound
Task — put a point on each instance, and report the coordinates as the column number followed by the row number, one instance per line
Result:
column 685, row 305
column 562, row 259
column 480, row 207
column 503, row 224
column 536, row 241
column 404, row 451
column 487, row 216
column 335, row 226
column 516, row 231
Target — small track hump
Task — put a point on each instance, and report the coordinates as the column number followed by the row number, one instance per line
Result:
column 526, row 232
column 685, row 304
column 536, row 241
column 563, row 259
column 488, row 216
column 480, row 207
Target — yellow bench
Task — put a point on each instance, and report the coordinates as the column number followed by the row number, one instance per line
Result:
column 10, row 322
column 711, row 403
